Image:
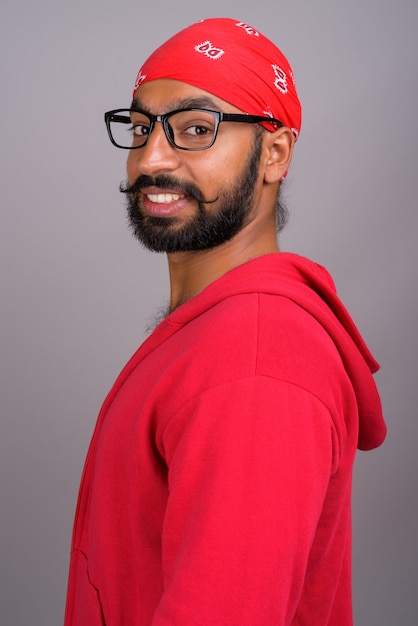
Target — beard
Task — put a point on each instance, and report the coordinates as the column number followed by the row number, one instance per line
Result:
column 204, row 230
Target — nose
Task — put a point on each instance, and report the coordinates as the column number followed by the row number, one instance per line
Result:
column 156, row 157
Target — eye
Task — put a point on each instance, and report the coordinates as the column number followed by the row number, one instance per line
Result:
column 192, row 129
column 140, row 130
column 192, row 125
column 198, row 130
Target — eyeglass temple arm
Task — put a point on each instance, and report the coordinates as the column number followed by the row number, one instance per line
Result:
column 237, row 117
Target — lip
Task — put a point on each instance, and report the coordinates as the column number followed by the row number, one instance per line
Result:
column 163, row 209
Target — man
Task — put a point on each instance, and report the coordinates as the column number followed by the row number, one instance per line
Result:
column 217, row 486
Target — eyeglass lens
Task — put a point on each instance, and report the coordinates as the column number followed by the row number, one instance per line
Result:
column 191, row 130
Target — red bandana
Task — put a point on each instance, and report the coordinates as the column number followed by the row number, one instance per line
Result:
column 234, row 62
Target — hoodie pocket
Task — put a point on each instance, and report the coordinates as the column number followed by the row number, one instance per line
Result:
column 83, row 602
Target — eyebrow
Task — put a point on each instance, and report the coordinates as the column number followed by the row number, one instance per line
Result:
column 187, row 103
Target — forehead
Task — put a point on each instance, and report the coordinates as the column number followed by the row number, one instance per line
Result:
column 165, row 94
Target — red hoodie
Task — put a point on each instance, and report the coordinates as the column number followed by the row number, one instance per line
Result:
column 217, row 486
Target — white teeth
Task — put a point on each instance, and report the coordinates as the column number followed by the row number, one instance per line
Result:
column 164, row 198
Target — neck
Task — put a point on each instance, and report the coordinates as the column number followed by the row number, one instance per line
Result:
column 191, row 272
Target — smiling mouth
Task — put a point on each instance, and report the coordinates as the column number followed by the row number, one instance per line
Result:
column 164, row 198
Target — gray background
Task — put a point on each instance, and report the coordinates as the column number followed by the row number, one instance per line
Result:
column 77, row 292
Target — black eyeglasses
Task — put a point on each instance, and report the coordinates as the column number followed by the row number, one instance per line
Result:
column 186, row 129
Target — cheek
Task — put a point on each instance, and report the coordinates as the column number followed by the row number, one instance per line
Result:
column 230, row 162
column 130, row 167
column 216, row 172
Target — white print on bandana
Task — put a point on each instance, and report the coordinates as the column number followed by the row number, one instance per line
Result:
column 248, row 29
column 293, row 78
column 281, row 79
column 139, row 79
column 269, row 113
column 209, row 50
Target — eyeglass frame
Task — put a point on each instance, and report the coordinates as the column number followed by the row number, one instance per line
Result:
column 219, row 117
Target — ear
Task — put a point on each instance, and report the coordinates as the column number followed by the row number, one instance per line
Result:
column 279, row 145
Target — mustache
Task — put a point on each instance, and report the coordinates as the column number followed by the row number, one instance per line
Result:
column 165, row 182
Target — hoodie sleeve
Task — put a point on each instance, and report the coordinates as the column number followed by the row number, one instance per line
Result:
column 249, row 463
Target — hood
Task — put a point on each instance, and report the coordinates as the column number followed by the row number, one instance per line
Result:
column 311, row 287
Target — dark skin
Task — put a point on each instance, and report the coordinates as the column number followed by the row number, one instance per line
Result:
column 211, row 170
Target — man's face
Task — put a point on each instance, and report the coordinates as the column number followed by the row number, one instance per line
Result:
column 180, row 200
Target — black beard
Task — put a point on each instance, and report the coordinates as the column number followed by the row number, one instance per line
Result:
column 204, row 230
